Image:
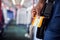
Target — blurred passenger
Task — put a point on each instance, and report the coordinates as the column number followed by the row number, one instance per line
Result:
column 1, row 21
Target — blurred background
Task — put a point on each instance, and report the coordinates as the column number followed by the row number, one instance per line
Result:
column 17, row 18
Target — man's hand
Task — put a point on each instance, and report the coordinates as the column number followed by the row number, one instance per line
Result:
column 35, row 11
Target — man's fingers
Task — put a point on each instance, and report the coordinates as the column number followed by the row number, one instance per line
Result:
column 34, row 12
column 37, row 12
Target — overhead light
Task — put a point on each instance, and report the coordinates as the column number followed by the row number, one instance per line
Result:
column 14, row 2
column 22, row 2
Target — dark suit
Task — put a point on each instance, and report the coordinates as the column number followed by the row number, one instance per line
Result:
column 53, row 29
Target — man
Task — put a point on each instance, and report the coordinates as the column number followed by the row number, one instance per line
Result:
column 53, row 29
